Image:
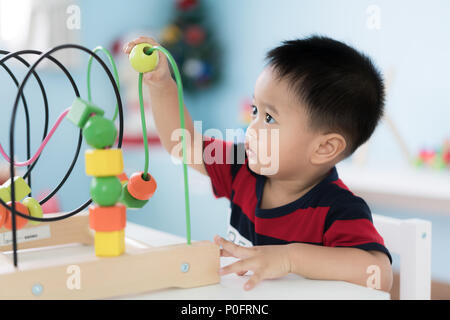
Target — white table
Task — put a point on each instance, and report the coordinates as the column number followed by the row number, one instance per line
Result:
column 231, row 286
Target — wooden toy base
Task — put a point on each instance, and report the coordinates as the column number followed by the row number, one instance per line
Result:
column 82, row 275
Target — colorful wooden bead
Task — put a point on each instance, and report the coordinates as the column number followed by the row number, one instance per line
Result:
column 21, row 188
column 140, row 60
column 110, row 243
column 105, row 191
column 123, row 177
column 34, row 208
column 140, row 188
column 20, row 222
column 3, row 214
column 80, row 112
column 99, row 132
column 103, row 162
column 112, row 218
column 127, row 199
column 4, row 194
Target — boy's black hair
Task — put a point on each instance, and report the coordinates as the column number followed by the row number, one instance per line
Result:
column 341, row 88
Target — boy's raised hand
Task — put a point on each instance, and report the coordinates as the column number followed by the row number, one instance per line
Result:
column 161, row 74
column 266, row 262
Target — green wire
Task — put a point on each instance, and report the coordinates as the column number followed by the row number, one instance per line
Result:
column 116, row 75
column 144, row 127
column 182, row 123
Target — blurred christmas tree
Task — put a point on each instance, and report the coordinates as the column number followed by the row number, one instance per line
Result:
column 189, row 40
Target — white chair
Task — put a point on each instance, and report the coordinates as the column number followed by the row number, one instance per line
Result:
column 411, row 240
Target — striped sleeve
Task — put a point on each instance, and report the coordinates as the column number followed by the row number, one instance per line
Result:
column 220, row 161
column 349, row 224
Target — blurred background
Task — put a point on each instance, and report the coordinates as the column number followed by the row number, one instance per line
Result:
column 403, row 171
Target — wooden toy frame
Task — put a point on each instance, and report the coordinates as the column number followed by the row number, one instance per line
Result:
column 140, row 269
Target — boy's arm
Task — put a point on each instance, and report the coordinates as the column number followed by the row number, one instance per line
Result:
column 337, row 263
column 165, row 108
column 308, row 260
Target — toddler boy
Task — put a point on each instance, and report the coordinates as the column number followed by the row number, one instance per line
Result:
column 315, row 102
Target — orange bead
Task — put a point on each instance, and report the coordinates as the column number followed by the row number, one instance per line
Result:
column 140, row 188
column 3, row 214
column 20, row 222
column 112, row 218
column 123, row 177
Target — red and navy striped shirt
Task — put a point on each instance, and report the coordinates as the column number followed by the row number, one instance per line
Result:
column 329, row 214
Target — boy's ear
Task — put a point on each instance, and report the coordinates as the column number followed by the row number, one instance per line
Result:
column 328, row 147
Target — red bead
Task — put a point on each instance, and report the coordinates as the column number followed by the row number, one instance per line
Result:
column 20, row 222
column 140, row 188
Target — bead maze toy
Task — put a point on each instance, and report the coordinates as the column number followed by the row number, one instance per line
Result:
column 115, row 265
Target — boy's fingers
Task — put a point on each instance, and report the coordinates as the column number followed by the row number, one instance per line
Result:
column 127, row 48
column 252, row 282
column 146, row 40
column 242, row 273
column 225, row 253
column 235, row 250
column 237, row 267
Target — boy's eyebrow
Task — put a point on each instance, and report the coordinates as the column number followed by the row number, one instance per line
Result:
column 268, row 106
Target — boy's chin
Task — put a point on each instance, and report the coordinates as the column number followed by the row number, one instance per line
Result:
column 261, row 170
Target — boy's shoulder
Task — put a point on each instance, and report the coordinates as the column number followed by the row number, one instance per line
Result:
column 342, row 202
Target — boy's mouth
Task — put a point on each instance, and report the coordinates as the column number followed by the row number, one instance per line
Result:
column 250, row 152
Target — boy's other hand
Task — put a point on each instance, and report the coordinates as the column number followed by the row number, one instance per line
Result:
column 160, row 76
column 266, row 262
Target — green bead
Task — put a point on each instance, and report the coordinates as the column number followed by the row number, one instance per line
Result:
column 105, row 191
column 21, row 189
column 34, row 208
column 99, row 132
column 81, row 110
column 129, row 201
column 142, row 62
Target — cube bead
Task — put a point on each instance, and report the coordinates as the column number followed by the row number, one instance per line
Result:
column 103, row 162
column 140, row 188
column 34, row 208
column 112, row 218
column 20, row 222
column 105, row 191
column 80, row 112
column 99, row 132
column 127, row 199
column 21, row 188
column 109, row 244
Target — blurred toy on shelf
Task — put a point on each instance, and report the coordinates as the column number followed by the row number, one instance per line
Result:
column 438, row 158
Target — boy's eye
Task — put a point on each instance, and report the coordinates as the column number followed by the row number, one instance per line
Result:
column 254, row 110
column 269, row 118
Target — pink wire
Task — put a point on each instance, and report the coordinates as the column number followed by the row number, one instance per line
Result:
column 38, row 152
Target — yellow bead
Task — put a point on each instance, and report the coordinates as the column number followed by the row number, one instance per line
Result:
column 109, row 244
column 140, row 60
column 21, row 188
column 103, row 162
column 34, row 208
column 4, row 194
